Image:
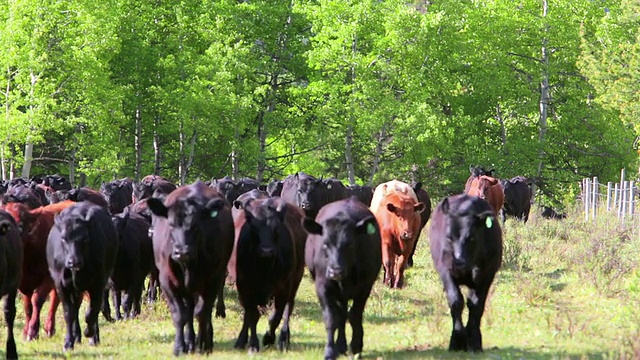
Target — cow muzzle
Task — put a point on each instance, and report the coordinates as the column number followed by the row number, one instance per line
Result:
column 73, row 264
column 334, row 273
column 305, row 205
column 406, row 235
column 267, row 252
column 181, row 254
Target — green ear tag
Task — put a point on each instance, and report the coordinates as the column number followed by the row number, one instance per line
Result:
column 489, row 222
column 214, row 213
column 371, row 229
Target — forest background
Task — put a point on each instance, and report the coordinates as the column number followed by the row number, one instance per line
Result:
column 360, row 90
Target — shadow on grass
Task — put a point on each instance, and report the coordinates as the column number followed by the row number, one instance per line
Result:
column 65, row 355
column 493, row 353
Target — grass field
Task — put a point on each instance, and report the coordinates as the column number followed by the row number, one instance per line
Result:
column 567, row 290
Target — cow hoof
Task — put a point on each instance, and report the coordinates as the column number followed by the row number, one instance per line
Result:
column 93, row 341
column 32, row 336
column 221, row 314
column 284, row 340
column 253, row 350
column 67, row 346
column 268, row 339
column 50, row 332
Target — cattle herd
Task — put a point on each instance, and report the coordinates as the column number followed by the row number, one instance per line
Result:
column 69, row 244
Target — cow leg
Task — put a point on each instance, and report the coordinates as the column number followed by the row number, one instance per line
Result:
column 355, row 319
column 285, row 334
column 9, row 318
column 388, row 260
column 117, row 302
column 179, row 315
column 204, row 338
column 50, row 322
column 28, row 312
column 335, row 318
column 70, row 305
column 221, row 311
column 475, row 302
column 274, row 320
column 458, row 339
column 398, row 271
column 152, row 292
column 92, row 330
column 37, row 301
column 106, row 308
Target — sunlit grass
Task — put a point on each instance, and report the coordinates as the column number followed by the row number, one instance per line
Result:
column 567, row 290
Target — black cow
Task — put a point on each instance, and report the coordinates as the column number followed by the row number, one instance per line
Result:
column 517, row 198
column 78, row 195
column 274, row 188
column 133, row 262
column 466, row 247
column 81, row 253
column 192, row 242
column 305, row 191
column 344, row 257
column 56, row 182
column 477, row 171
column 242, row 200
column 11, row 253
column 227, row 187
column 363, row 193
column 424, row 198
column 269, row 265
column 24, row 195
column 4, row 185
column 151, row 184
column 118, row 193
column 549, row 213
column 246, row 184
column 335, row 190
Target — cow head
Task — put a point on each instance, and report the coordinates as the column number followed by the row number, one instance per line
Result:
column 405, row 209
column 57, row 182
column 189, row 212
column 274, row 188
column 74, row 227
column 310, row 193
column 243, row 199
column 466, row 224
column 338, row 235
column 265, row 220
column 480, row 186
column 227, row 187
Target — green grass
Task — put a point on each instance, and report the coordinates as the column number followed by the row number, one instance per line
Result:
column 567, row 290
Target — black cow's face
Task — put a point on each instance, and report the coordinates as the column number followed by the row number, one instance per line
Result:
column 57, row 182
column 227, row 188
column 74, row 234
column 187, row 218
column 338, row 244
column 308, row 196
column 265, row 219
column 464, row 229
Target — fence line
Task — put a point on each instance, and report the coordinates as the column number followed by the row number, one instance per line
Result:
column 620, row 197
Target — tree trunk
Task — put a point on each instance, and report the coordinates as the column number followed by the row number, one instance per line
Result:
column 348, row 154
column 28, row 147
column 262, row 138
column 235, row 162
column 181, row 158
column 156, row 146
column 382, row 136
column 192, row 151
column 3, row 162
column 138, row 144
column 545, row 97
column 503, row 130
column 7, row 108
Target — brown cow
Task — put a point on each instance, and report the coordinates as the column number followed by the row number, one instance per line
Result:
column 488, row 188
column 36, row 282
column 399, row 219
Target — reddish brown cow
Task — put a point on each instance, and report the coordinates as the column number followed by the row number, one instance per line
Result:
column 36, row 282
column 488, row 188
column 399, row 219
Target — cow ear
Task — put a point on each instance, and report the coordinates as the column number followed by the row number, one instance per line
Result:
column 486, row 218
column 262, row 187
column 281, row 209
column 311, row 226
column 237, row 204
column 444, row 206
column 367, row 225
column 157, row 207
column 392, row 208
column 417, row 187
column 213, row 207
column 4, row 227
column 419, row 207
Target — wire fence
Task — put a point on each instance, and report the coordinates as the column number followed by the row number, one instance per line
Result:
column 619, row 197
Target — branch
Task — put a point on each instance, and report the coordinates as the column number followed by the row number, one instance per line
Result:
column 296, row 153
column 525, row 57
column 46, row 158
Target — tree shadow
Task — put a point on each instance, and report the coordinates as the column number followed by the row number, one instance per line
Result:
column 427, row 352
